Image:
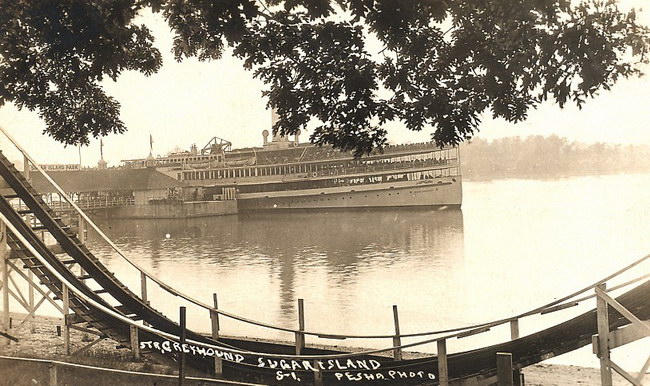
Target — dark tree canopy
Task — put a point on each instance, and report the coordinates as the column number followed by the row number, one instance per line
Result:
column 440, row 64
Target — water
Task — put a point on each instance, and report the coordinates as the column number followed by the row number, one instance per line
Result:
column 516, row 244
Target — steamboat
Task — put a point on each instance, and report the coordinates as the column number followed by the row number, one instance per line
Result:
column 286, row 174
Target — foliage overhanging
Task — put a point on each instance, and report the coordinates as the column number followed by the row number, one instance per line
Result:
column 442, row 63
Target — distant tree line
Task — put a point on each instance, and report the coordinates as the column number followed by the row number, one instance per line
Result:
column 549, row 157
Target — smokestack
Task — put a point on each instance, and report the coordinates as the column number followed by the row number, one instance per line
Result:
column 274, row 117
column 297, row 138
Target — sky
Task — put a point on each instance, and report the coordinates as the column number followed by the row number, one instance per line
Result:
column 192, row 102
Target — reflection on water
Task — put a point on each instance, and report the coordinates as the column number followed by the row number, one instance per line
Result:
column 342, row 246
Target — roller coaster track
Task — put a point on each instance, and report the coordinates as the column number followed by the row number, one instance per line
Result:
column 99, row 299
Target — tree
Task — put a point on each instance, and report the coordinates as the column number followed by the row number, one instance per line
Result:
column 441, row 65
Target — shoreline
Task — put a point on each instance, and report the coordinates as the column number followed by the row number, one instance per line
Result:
column 44, row 343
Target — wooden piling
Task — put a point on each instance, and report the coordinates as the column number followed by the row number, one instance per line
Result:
column 603, row 333
column 300, row 337
column 397, row 340
column 443, row 372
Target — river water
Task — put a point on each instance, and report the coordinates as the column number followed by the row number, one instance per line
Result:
column 516, row 245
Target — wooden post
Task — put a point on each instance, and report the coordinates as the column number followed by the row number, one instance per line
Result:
column 26, row 168
column 300, row 337
column 443, row 372
column 143, row 286
column 181, row 362
column 66, row 321
column 214, row 318
column 318, row 374
column 30, row 283
column 504, row 369
column 82, row 230
column 514, row 334
column 135, row 344
column 603, row 332
column 397, row 340
column 54, row 378
column 143, row 290
column 5, row 278
column 514, row 329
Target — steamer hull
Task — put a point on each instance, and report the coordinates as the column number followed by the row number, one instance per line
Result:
column 438, row 193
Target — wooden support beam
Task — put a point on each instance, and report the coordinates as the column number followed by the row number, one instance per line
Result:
column 214, row 319
column 32, row 313
column 66, row 327
column 135, row 344
column 514, row 329
column 504, row 369
column 300, row 337
column 8, row 336
column 181, row 362
column 54, row 378
column 620, row 308
column 143, row 290
column 514, row 334
column 5, row 278
column 397, row 339
column 20, row 301
column 623, row 336
column 30, row 294
column 475, row 331
column 88, row 346
column 41, row 291
column 85, row 330
column 82, row 230
column 318, row 374
column 18, row 293
column 26, row 169
column 443, row 371
column 643, row 371
column 603, row 333
column 628, row 377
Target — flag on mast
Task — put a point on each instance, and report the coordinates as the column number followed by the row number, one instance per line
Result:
column 101, row 148
column 150, row 144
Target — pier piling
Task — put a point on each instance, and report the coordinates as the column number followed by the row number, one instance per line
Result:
column 397, row 340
